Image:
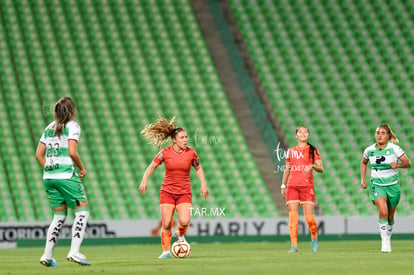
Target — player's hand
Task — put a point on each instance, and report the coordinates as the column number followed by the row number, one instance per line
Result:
column 394, row 165
column 283, row 192
column 142, row 188
column 204, row 191
column 82, row 173
column 363, row 184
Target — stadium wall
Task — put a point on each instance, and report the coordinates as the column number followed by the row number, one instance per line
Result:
column 211, row 228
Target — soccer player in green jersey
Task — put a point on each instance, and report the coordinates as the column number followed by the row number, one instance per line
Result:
column 385, row 157
column 57, row 154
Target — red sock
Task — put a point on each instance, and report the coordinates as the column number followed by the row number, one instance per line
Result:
column 166, row 237
column 313, row 227
column 293, row 227
column 182, row 230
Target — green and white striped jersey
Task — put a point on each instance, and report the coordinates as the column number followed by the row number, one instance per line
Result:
column 59, row 165
column 380, row 159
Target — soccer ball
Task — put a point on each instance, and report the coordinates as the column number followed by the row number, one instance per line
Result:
column 181, row 249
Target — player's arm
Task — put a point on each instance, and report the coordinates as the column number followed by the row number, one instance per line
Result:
column 317, row 166
column 286, row 174
column 148, row 172
column 364, row 165
column 200, row 174
column 73, row 153
column 40, row 154
column 403, row 162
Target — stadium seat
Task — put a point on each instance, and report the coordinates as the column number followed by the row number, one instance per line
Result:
column 336, row 67
column 124, row 63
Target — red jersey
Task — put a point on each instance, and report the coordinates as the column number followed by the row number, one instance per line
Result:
column 177, row 169
column 298, row 158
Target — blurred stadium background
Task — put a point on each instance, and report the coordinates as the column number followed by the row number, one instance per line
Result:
column 239, row 75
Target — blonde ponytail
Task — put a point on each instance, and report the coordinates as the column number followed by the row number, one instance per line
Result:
column 158, row 133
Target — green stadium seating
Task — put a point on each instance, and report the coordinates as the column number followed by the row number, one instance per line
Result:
column 124, row 63
column 341, row 68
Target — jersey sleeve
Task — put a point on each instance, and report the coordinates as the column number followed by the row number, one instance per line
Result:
column 317, row 155
column 195, row 161
column 74, row 131
column 159, row 157
column 42, row 138
column 365, row 154
column 398, row 151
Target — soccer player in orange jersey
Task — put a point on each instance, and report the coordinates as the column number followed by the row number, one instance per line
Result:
column 175, row 194
column 297, row 186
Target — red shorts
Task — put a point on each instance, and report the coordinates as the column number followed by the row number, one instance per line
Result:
column 300, row 194
column 175, row 199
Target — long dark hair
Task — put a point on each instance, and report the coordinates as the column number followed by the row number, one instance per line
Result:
column 64, row 112
column 312, row 148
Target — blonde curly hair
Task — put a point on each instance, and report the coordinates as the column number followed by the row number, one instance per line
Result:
column 157, row 133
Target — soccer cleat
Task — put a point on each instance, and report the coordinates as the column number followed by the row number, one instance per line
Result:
column 78, row 258
column 386, row 250
column 165, row 255
column 315, row 245
column 48, row 262
column 180, row 238
column 386, row 247
column 293, row 249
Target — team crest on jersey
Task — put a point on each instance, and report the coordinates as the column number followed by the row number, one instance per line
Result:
column 388, row 152
column 160, row 156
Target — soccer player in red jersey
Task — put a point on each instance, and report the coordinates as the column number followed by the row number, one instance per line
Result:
column 297, row 186
column 175, row 191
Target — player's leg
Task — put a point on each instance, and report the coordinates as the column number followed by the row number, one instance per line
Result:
column 292, row 202
column 379, row 197
column 59, row 215
column 381, row 204
column 293, row 208
column 307, row 198
column 167, row 212
column 391, row 220
column 167, row 207
column 393, row 195
column 308, row 212
column 184, row 204
column 74, row 193
column 382, row 207
column 78, row 233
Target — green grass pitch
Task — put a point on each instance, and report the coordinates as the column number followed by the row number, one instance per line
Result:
column 334, row 257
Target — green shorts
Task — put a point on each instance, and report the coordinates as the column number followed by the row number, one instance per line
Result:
column 65, row 191
column 391, row 192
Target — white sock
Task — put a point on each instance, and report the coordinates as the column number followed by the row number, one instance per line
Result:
column 78, row 230
column 383, row 228
column 385, row 237
column 53, row 234
column 389, row 234
column 389, row 230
